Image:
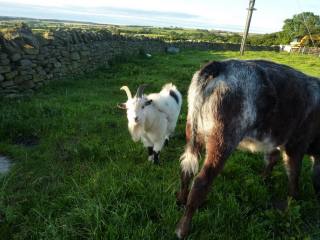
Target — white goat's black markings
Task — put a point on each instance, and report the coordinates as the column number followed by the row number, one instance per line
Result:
column 150, row 151
column 174, row 95
column 156, row 157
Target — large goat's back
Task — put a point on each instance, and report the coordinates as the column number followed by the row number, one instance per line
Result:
column 297, row 98
column 227, row 83
column 291, row 83
column 271, row 98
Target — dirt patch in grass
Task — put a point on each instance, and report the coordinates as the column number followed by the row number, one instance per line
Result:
column 112, row 125
column 26, row 140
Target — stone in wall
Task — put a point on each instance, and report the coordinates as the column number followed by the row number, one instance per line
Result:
column 5, row 69
column 25, row 63
column 75, row 56
column 15, row 57
column 7, row 84
column 4, row 61
column 11, row 75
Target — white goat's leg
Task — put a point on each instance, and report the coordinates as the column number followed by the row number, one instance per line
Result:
column 156, row 150
column 158, row 137
column 166, row 142
column 149, row 145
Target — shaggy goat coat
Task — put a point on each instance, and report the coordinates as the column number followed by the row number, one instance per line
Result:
column 256, row 105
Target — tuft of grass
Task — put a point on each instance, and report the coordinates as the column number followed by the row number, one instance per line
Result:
column 83, row 178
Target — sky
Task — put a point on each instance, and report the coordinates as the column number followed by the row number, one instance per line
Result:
column 227, row 15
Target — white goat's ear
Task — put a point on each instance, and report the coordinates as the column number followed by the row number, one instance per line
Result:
column 122, row 106
column 148, row 102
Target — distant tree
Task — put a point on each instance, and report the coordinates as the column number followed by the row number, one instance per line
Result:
column 295, row 27
column 174, row 35
column 264, row 39
column 115, row 30
column 22, row 25
column 234, row 38
column 298, row 25
column 144, row 30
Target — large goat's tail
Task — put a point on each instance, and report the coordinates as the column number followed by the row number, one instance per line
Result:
column 189, row 159
column 197, row 95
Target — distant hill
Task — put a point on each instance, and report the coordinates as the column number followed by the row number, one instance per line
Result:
column 171, row 33
column 24, row 19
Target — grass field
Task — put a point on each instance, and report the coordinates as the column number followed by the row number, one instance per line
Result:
column 78, row 175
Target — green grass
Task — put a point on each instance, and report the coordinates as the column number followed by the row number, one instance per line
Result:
column 86, row 179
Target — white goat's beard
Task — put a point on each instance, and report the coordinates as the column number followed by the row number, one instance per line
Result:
column 135, row 131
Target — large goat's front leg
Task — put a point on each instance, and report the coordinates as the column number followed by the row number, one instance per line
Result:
column 217, row 151
column 293, row 162
column 271, row 160
column 316, row 175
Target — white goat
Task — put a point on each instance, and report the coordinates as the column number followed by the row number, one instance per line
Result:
column 152, row 118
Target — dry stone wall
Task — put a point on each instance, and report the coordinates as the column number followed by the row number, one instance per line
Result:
column 29, row 60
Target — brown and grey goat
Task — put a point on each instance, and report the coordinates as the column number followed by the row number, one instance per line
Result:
column 152, row 118
column 257, row 105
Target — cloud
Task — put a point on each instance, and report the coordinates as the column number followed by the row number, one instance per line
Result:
column 117, row 15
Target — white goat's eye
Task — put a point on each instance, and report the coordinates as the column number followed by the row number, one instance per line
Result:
column 142, row 107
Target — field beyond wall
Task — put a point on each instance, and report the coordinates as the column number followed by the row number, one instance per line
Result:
column 78, row 175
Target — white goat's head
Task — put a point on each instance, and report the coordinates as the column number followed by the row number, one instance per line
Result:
column 135, row 106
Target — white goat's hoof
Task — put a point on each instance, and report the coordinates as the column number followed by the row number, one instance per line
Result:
column 150, row 158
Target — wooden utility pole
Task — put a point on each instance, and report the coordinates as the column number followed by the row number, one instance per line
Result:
column 246, row 31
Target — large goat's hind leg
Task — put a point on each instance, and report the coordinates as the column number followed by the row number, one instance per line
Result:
column 271, row 160
column 293, row 162
column 316, row 175
column 189, row 166
column 217, row 151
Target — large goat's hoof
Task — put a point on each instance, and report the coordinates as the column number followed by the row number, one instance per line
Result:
column 316, row 181
column 183, row 228
column 265, row 176
column 181, row 199
column 280, row 205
